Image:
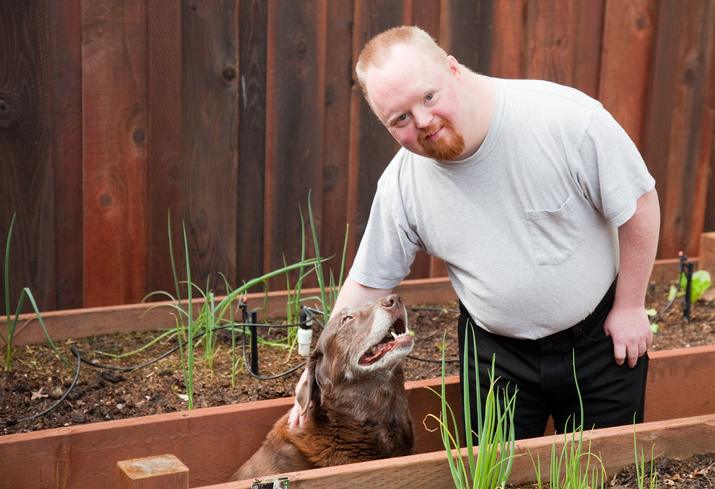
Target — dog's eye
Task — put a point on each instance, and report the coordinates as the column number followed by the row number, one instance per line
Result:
column 345, row 319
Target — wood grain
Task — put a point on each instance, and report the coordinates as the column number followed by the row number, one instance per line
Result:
column 252, row 52
column 164, row 176
column 209, row 143
column 294, row 145
column 66, row 85
column 625, row 63
column 114, row 84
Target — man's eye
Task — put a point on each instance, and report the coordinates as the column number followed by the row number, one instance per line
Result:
column 403, row 117
column 429, row 96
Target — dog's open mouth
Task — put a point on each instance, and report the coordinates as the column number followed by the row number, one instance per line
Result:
column 398, row 336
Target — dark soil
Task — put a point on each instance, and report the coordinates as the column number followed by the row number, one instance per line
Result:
column 38, row 378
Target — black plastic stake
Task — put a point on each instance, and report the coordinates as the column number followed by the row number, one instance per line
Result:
column 254, row 343
column 688, row 289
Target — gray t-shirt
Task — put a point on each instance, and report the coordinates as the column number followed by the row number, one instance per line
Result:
column 527, row 226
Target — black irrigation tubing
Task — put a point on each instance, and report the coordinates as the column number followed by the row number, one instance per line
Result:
column 74, row 382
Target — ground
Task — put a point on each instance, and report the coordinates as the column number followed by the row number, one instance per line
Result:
column 37, row 378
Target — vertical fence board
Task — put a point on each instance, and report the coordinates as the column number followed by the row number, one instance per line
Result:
column 589, row 35
column 115, row 141
column 509, row 56
column 209, row 153
column 252, row 25
column 679, row 124
column 625, row 64
column 336, row 134
column 551, row 41
column 468, row 33
column 294, row 149
column 164, row 152
column 26, row 137
column 371, row 146
column 66, row 80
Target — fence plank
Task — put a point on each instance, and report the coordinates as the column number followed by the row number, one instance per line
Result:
column 467, row 34
column 115, row 128
column 26, row 137
column 66, row 86
column 164, row 153
column 294, row 147
column 588, row 45
column 252, row 21
column 625, row 64
column 336, row 133
column 509, row 53
column 679, row 124
column 209, row 154
column 551, row 40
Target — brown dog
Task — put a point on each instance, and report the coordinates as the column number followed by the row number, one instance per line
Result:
column 356, row 386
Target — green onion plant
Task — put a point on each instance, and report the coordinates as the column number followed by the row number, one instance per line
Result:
column 640, row 464
column 12, row 320
column 489, row 465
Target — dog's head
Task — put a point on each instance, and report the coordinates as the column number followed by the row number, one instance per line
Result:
column 357, row 344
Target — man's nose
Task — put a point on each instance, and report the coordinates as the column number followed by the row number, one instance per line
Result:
column 422, row 117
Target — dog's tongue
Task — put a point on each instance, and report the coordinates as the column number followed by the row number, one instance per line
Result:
column 378, row 351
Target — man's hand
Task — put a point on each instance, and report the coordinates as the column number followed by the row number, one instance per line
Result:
column 295, row 418
column 631, row 333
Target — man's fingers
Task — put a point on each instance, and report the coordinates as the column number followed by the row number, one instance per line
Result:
column 619, row 353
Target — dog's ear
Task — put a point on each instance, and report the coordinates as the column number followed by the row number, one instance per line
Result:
column 311, row 389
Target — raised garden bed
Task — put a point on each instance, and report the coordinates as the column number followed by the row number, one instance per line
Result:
column 213, row 442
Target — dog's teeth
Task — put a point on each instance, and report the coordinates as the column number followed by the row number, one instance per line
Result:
column 394, row 335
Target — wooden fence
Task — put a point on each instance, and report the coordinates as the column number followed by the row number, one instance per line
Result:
column 228, row 114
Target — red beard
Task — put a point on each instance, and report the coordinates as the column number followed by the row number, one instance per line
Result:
column 446, row 148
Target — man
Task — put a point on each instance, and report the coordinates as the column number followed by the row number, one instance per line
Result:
column 536, row 200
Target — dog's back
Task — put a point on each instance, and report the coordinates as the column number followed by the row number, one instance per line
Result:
column 359, row 407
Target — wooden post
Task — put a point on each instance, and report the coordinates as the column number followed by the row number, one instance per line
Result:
column 158, row 472
column 707, row 253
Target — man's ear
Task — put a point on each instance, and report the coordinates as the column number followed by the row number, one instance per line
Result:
column 311, row 389
column 454, row 66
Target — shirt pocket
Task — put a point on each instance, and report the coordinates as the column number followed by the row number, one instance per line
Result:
column 554, row 234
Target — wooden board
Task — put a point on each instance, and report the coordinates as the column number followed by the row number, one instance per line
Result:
column 209, row 150
column 66, row 79
column 625, row 63
column 674, row 439
column 336, row 133
column 26, row 141
column 164, row 179
column 252, row 52
column 294, row 139
column 114, row 84
column 213, row 442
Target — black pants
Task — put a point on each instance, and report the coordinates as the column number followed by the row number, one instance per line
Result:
column 543, row 372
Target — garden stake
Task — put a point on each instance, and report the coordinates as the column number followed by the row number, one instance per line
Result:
column 686, row 268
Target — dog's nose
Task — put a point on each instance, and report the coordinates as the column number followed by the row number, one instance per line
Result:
column 391, row 301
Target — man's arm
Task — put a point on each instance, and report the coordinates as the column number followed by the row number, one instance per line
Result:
column 627, row 323
column 352, row 294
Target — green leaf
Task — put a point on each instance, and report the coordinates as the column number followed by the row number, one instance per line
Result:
column 701, row 281
column 654, row 327
column 651, row 312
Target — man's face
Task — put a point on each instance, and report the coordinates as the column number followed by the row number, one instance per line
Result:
column 417, row 100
